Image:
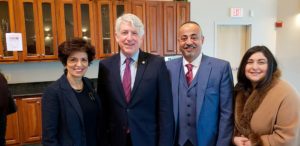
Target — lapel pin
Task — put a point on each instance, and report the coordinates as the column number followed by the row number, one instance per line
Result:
column 143, row 62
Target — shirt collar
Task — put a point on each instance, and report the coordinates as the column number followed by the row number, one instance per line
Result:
column 195, row 63
column 134, row 57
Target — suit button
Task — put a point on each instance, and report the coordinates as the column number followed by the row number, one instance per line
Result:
column 189, row 124
column 188, row 115
column 188, row 105
column 189, row 94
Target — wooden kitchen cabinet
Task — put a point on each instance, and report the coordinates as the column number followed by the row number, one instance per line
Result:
column 107, row 13
column 25, row 126
column 37, row 21
column 76, row 19
column 47, row 23
column 7, row 24
column 163, row 19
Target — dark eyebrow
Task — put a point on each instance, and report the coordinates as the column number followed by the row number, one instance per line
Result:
column 262, row 59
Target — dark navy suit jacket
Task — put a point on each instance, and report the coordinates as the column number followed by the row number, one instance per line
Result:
column 149, row 114
column 214, row 107
column 62, row 118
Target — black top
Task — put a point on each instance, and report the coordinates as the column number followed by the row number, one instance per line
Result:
column 90, row 110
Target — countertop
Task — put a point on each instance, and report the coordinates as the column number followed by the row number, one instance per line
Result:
column 32, row 89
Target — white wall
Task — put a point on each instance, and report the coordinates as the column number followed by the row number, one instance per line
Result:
column 288, row 41
column 283, row 42
column 208, row 13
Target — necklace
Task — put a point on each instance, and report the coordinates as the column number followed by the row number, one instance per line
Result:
column 78, row 90
column 76, row 84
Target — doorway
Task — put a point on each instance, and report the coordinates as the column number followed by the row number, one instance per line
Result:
column 232, row 41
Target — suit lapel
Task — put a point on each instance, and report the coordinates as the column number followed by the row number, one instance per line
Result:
column 176, row 71
column 203, row 76
column 141, row 66
column 68, row 93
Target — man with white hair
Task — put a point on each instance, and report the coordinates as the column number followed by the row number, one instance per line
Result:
column 135, row 90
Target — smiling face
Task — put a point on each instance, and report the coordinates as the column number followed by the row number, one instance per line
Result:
column 256, row 68
column 77, row 64
column 128, row 39
column 190, row 41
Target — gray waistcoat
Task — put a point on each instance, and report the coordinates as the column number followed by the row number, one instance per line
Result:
column 187, row 111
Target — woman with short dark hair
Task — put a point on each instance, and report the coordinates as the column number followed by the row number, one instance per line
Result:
column 266, row 107
column 71, row 109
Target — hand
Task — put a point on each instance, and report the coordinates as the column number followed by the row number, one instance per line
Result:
column 241, row 141
column 248, row 143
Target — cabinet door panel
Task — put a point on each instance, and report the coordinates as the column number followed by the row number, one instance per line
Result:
column 12, row 130
column 119, row 8
column 139, row 9
column 86, row 24
column 105, row 33
column 7, row 24
column 183, row 15
column 69, row 21
column 48, row 30
column 154, row 28
column 30, row 109
column 67, row 24
column 30, row 29
column 170, row 34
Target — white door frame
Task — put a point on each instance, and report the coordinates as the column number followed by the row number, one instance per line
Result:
column 231, row 23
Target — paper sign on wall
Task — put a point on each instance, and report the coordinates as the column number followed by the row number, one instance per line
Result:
column 14, row 41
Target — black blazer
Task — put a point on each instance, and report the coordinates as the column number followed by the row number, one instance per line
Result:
column 149, row 114
column 62, row 116
column 4, row 95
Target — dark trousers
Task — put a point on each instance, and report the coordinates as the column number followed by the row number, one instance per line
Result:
column 128, row 140
column 2, row 128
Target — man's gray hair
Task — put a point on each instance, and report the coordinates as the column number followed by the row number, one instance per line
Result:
column 133, row 20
